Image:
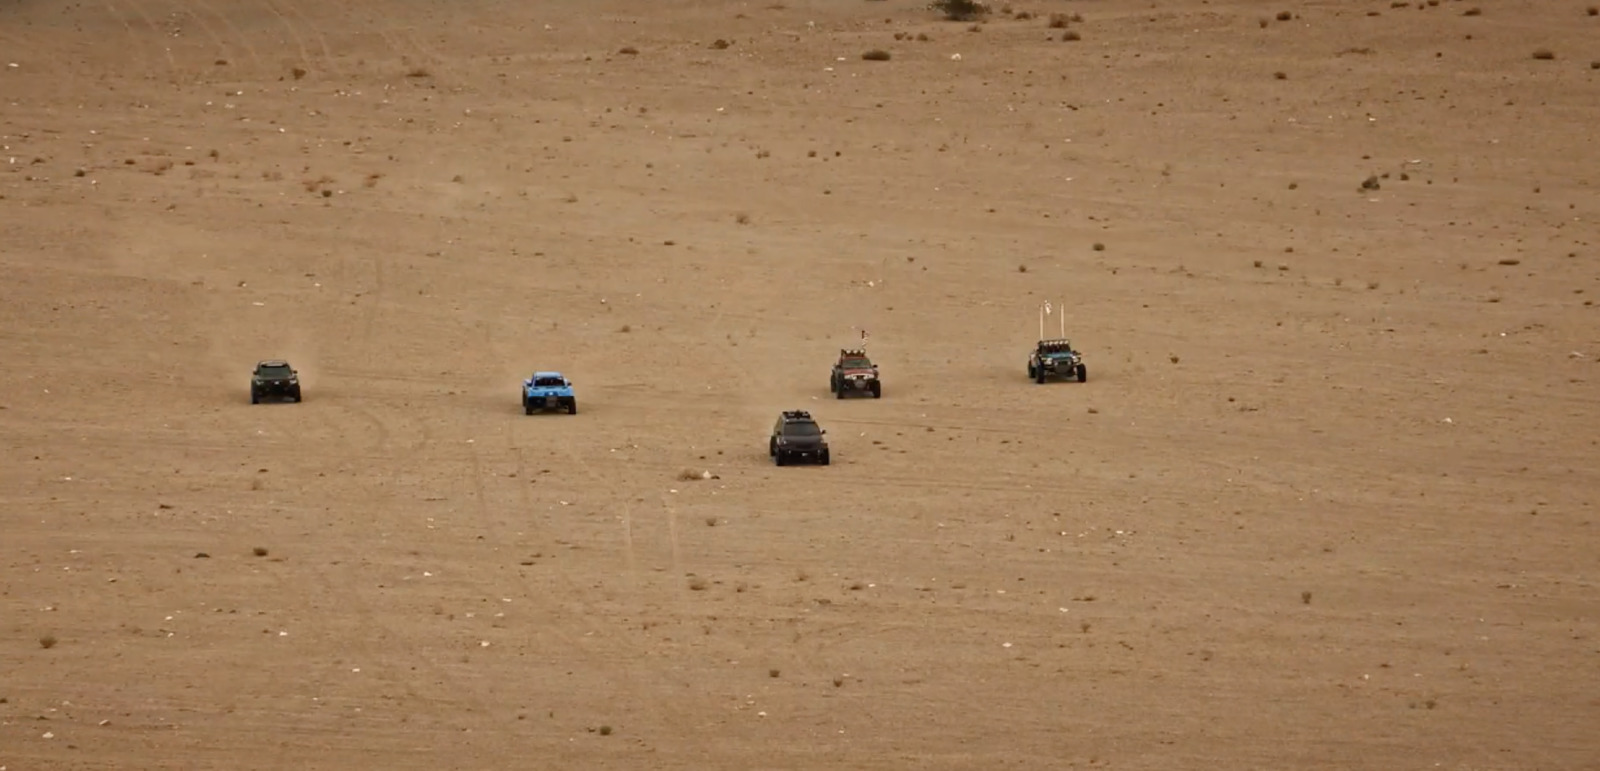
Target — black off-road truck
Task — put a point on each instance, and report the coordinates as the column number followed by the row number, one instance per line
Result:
column 797, row 437
column 274, row 378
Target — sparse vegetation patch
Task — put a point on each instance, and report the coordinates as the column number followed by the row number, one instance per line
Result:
column 961, row 10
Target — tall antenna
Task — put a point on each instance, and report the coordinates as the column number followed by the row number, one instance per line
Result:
column 1041, row 319
column 1063, row 317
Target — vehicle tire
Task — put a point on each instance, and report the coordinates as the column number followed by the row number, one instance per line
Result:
column 833, row 383
column 527, row 409
column 1031, row 374
column 572, row 407
column 296, row 396
column 1083, row 374
column 838, row 393
column 778, row 458
column 823, row 458
column 877, row 390
column 1038, row 376
column 255, row 398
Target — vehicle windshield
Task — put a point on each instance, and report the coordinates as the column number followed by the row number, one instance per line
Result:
column 856, row 362
column 548, row 381
column 802, row 429
column 275, row 372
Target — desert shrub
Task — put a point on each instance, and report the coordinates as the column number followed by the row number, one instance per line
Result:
column 960, row 10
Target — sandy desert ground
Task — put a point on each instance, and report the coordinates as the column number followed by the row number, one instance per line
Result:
column 1327, row 501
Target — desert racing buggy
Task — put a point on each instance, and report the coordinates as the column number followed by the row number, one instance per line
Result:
column 854, row 371
column 796, row 436
column 1056, row 357
column 547, row 391
column 274, row 378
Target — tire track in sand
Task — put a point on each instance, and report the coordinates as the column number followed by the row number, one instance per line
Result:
column 377, row 21
column 135, row 43
column 679, row 723
column 602, row 647
column 222, row 41
column 294, row 34
column 293, row 9
column 345, row 594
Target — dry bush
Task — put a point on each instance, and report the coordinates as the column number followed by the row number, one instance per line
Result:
column 876, row 55
column 1544, row 54
column 1285, row 16
column 1059, row 20
column 628, row 50
column 960, row 10
column 1071, row 36
column 1472, row 12
column 418, row 72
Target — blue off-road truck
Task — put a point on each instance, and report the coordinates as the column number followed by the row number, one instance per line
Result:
column 548, row 391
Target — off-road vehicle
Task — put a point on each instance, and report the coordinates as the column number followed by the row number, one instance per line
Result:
column 274, row 378
column 855, row 372
column 548, row 391
column 797, row 437
column 1056, row 357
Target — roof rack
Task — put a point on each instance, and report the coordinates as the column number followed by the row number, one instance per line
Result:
column 852, row 352
column 796, row 415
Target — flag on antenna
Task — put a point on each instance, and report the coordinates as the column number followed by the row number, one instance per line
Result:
column 1047, row 308
column 863, row 334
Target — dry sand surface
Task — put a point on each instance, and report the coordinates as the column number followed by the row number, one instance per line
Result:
column 1328, row 499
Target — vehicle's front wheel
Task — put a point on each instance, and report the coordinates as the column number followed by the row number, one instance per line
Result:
column 572, row 407
column 255, row 397
column 823, row 458
column 1083, row 374
column 877, row 390
column 777, row 457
